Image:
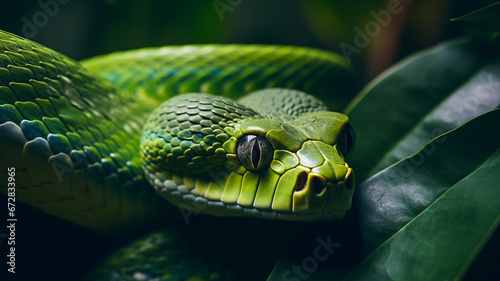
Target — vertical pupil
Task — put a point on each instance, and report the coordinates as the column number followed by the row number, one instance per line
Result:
column 255, row 153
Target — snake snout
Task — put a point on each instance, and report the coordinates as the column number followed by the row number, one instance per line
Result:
column 316, row 182
column 322, row 190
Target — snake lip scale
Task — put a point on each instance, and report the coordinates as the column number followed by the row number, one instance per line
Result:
column 181, row 196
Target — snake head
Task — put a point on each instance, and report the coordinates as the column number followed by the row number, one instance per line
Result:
column 300, row 171
column 234, row 162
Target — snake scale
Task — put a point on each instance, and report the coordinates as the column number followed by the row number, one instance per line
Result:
column 226, row 130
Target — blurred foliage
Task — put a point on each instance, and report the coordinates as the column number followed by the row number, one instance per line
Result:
column 81, row 29
column 483, row 22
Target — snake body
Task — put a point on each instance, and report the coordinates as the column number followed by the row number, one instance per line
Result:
column 233, row 133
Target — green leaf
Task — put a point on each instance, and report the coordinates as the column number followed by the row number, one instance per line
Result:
column 420, row 98
column 483, row 22
column 431, row 214
column 425, row 218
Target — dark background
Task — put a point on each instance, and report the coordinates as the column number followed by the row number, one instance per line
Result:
column 81, row 29
column 50, row 248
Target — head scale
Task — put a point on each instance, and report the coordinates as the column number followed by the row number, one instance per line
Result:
column 216, row 156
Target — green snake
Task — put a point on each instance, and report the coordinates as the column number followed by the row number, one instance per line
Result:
column 225, row 130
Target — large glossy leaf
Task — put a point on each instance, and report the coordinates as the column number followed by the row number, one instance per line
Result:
column 420, row 98
column 428, row 216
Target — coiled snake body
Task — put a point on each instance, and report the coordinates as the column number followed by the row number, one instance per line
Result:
column 88, row 146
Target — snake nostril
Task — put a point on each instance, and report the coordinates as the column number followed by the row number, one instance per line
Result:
column 318, row 185
column 300, row 184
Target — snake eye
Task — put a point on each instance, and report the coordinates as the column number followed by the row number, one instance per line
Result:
column 255, row 152
column 345, row 141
